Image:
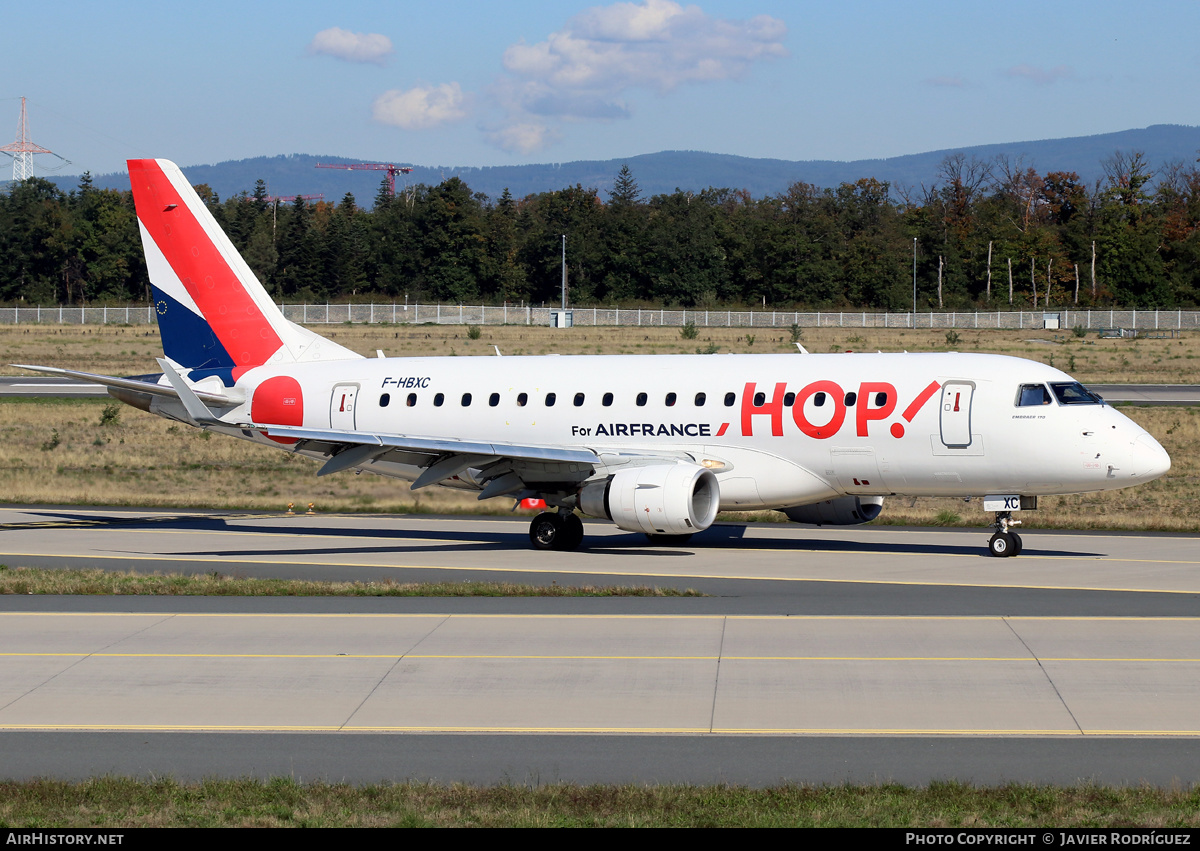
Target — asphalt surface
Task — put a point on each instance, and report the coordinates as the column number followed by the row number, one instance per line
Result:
column 823, row 655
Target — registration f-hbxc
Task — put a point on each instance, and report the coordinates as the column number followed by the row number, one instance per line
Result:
column 657, row 444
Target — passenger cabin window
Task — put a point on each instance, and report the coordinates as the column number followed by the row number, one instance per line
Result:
column 700, row 397
column 522, row 399
column 439, row 399
column 1073, row 393
column 578, row 400
column 411, row 400
column 730, row 398
column 466, row 400
column 1032, row 395
column 789, row 399
column 760, row 399
column 880, row 400
column 670, row 400
column 551, row 398
column 607, row 400
column 385, row 400
column 494, row 400
column 851, row 398
column 819, row 399
column 641, row 399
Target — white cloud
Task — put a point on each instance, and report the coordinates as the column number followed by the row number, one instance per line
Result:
column 582, row 71
column 657, row 44
column 1041, row 76
column 522, row 138
column 420, row 107
column 352, row 47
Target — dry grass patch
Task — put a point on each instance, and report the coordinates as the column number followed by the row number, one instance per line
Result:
column 57, row 452
column 126, row 350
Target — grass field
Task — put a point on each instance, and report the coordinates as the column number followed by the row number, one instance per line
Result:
column 131, row 350
column 59, row 452
column 117, row 803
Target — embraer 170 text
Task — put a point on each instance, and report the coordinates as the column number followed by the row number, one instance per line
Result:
column 658, row 444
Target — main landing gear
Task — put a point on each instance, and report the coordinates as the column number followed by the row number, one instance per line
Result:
column 562, row 531
column 1005, row 542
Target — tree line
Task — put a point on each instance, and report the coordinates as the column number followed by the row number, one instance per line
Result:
column 984, row 235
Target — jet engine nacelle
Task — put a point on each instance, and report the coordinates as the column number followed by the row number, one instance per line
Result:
column 661, row 499
column 843, row 511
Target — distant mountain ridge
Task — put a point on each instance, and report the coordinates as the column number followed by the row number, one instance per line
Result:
column 663, row 172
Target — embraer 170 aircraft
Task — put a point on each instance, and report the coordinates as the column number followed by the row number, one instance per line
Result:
column 657, row 444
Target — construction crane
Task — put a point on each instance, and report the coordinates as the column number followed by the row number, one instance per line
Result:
column 392, row 171
column 23, row 149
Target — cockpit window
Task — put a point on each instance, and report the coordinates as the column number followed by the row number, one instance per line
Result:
column 1031, row 395
column 1073, row 393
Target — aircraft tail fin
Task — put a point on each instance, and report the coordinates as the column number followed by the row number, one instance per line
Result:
column 214, row 316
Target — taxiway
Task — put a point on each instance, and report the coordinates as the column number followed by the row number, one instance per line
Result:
column 821, row 655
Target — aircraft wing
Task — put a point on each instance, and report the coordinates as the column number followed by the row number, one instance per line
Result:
column 446, row 457
column 437, row 445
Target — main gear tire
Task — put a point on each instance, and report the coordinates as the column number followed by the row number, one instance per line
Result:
column 545, row 531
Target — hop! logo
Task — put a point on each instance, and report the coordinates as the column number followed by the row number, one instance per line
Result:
column 873, row 401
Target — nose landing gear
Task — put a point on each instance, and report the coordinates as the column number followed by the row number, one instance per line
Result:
column 1005, row 542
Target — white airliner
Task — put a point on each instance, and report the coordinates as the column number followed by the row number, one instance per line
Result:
column 657, row 444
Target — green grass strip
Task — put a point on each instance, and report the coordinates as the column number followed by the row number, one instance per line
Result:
column 118, row 802
column 31, row 580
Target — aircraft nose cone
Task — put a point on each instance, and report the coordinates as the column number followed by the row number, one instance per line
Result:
column 1149, row 459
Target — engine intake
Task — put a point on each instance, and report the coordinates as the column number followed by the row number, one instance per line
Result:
column 661, row 499
column 843, row 511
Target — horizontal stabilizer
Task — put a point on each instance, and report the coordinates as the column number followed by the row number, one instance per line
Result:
column 134, row 384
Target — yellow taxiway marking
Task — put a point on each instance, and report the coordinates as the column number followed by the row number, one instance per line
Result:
column 567, row 568
column 740, row 731
column 550, row 657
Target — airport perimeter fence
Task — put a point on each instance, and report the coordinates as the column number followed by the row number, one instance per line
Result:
column 458, row 314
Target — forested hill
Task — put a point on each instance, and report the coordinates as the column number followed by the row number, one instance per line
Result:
column 664, row 172
column 984, row 234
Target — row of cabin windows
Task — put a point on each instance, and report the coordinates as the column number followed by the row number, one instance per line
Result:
column 760, row 399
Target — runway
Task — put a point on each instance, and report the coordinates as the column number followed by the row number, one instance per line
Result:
column 822, row 655
column 33, row 385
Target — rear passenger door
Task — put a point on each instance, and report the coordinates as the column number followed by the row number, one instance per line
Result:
column 341, row 407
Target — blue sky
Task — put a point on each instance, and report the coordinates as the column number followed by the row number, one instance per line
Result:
column 460, row 83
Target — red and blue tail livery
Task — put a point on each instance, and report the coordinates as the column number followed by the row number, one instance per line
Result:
column 214, row 315
column 656, row 444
